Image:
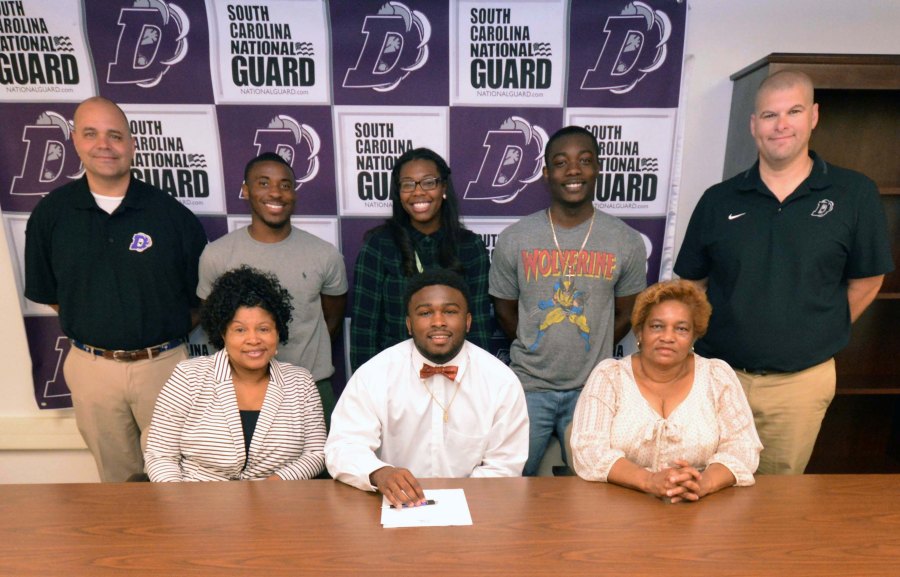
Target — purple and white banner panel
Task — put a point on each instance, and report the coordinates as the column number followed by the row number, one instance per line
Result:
column 340, row 89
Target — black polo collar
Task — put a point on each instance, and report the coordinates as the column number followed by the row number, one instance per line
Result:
column 818, row 179
column 83, row 199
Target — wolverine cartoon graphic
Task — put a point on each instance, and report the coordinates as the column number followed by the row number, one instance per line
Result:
column 567, row 304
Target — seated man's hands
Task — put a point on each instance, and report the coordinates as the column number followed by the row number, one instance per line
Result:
column 400, row 487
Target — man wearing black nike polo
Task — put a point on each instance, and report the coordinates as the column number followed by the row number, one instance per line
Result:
column 791, row 252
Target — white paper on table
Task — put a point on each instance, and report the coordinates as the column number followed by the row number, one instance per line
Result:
column 450, row 508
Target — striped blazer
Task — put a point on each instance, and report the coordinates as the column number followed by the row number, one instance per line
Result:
column 196, row 434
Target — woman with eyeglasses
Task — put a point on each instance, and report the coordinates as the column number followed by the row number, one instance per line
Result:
column 423, row 232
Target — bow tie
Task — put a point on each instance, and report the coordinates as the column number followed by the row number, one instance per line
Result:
column 448, row 371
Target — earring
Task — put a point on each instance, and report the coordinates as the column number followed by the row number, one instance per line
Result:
column 444, row 196
column 638, row 345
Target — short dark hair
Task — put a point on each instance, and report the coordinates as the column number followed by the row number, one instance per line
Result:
column 245, row 287
column 569, row 131
column 784, row 80
column 436, row 276
column 266, row 157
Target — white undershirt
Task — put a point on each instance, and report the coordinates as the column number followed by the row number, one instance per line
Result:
column 108, row 203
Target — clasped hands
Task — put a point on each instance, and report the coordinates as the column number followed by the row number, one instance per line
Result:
column 678, row 482
column 399, row 486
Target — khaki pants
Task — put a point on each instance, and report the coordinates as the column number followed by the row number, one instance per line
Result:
column 788, row 409
column 114, row 404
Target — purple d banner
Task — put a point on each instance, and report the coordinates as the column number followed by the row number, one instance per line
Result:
column 629, row 54
column 302, row 135
column 153, row 52
column 340, row 89
column 390, row 53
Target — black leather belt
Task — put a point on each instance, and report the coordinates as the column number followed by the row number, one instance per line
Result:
column 758, row 372
column 128, row 356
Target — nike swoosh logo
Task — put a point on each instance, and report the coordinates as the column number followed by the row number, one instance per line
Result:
column 734, row 216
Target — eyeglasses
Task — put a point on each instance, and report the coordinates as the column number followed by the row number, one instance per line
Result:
column 426, row 184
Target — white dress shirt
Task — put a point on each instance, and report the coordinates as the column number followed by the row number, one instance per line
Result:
column 387, row 416
column 713, row 424
column 196, row 433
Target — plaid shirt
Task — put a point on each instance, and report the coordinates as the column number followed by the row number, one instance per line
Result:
column 379, row 319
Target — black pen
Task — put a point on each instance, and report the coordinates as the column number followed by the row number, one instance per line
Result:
column 428, row 502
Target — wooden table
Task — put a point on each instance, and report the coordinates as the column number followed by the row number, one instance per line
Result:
column 794, row 526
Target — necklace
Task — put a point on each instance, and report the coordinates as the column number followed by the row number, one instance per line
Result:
column 441, row 405
column 681, row 373
column 583, row 243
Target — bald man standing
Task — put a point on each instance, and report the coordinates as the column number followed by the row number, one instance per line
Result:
column 791, row 252
column 117, row 259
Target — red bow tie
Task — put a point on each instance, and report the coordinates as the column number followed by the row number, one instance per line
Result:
column 448, row 371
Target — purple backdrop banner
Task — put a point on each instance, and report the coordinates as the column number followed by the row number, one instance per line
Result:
column 339, row 89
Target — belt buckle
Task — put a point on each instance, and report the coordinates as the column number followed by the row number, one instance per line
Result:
column 123, row 355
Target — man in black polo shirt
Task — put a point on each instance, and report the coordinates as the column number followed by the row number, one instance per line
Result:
column 117, row 259
column 791, row 252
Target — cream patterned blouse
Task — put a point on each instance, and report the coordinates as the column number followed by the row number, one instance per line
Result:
column 713, row 424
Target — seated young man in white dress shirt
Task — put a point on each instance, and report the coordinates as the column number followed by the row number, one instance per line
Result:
column 432, row 406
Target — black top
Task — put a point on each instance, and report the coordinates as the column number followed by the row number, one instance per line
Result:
column 777, row 271
column 248, row 424
column 122, row 281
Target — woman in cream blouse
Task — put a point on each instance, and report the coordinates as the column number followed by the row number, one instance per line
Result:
column 664, row 420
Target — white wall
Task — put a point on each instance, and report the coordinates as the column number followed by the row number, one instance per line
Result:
column 723, row 37
column 35, row 446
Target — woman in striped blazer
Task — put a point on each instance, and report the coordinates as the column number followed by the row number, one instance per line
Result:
column 239, row 414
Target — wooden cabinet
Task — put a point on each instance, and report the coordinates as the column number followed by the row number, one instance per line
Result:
column 859, row 128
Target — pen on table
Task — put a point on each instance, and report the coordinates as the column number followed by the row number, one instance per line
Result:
column 428, row 502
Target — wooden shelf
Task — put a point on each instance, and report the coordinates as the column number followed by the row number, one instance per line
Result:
column 859, row 435
column 872, row 358
column 835, row 71
column 891, row 204
column 868, row 385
